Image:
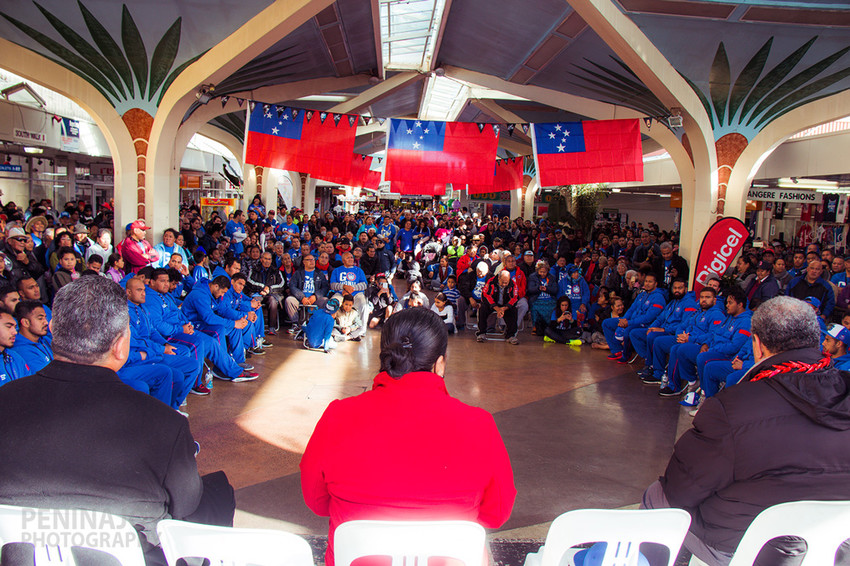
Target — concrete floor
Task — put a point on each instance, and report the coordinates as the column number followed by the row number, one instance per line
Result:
column 581, row 430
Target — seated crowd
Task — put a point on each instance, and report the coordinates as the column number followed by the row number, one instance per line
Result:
column 79, row 317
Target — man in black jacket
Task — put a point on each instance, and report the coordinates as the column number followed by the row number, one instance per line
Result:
column 780, row 435
column 669, row 266
column 267, row 280
column 73, row 436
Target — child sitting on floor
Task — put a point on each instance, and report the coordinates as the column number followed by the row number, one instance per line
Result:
column 318, row 331
column 348, row 325
column 445, row 311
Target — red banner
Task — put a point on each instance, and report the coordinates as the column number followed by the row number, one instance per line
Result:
column 507, row 178
column 719, row 247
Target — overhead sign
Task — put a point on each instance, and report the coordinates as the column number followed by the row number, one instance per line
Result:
column 719, row 247
column 786, row 195
column 9, row 168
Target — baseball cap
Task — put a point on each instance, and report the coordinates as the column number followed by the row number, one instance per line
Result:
column 16, row 232
column 332, row 306
column 529, row 252
column 814, row 301
column 139, row 225
column 764, row 266
column 840, row 333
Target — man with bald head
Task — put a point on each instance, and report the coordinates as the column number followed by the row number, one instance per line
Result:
column 349, row 279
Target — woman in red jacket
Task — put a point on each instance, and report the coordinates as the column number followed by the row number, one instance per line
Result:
column 407, row 450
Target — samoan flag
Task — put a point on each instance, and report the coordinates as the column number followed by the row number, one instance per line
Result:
column 428, row 152
column 600, row 151
column 308, row 141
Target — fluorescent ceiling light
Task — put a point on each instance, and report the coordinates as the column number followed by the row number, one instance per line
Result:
column 325, row 98
column 33, row 150
column 615, row 190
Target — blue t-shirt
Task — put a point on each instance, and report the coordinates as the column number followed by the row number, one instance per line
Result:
column 309, row 284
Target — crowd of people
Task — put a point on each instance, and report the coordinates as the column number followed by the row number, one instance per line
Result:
column 211, row 293
column 762, row 344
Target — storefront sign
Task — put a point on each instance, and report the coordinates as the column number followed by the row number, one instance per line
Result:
column 218, row 202
column 719, row 247
column 26, row 136
column 786, row 195
column 9, row 168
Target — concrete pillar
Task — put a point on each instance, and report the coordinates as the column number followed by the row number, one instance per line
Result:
column 309, row 195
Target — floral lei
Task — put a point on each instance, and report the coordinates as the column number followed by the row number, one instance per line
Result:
column 792, row 367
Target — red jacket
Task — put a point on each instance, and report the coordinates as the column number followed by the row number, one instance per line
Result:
column 406, row 450
column 137, row 254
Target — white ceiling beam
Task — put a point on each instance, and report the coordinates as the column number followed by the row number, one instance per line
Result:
column 377, row 92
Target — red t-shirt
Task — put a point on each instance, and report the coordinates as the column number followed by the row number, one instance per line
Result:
column 406, row 450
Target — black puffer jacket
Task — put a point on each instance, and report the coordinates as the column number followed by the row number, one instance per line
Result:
column 782, row 438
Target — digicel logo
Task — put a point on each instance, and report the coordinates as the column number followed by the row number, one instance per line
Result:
column 720, row 245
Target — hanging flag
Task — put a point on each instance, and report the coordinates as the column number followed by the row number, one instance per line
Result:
column 601, row 151
column 508, row 177
column 361, row 174
column 440, row 152
column 300, row 141
column 416, row 188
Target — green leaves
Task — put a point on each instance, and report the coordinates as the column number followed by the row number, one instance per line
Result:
column 134, row 47
column 163, row 56
column 762, row 99
column 119, row 72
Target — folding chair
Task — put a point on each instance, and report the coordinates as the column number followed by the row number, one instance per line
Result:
column 406, row 541
column 235, row 547
column 622, row 529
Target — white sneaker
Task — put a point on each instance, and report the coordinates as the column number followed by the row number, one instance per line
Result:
column 184, row 413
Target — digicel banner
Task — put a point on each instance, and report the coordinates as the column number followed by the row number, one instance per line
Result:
column 719, row 247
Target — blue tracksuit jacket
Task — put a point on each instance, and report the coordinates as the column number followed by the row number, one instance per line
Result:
column 701, row 325
column 36, row 355
column 730, row 336
column 674, row 313
column 646, row 308
column 12, row 367
column 200, row 307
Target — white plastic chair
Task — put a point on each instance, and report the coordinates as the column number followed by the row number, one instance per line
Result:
column 823, row 524
column 622, row 529
column 53, row 532
column 226, row 545
column 405, row 541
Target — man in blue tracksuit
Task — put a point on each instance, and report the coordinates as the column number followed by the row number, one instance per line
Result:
column 237, row 303
column 200, row 307
column 156, row 348
column 12, row 366
column 723, row 344
column 645, row 308
column 32, row 343
column 728, row 372
column 694, row 329
column 168, row 319
column 680, row 305
column 350, row 280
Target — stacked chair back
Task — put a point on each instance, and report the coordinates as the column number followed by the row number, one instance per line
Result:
column 226, row 546
column 622, row 530
column 823, row 524
column 410, row 543
column 58, row 535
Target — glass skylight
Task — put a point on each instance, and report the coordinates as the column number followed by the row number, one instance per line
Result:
column 409, row 31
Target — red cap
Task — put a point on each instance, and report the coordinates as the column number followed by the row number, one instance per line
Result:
column 139, row 225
